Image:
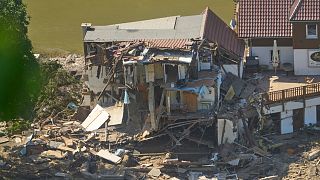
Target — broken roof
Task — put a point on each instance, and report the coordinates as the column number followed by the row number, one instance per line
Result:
column 166, row 31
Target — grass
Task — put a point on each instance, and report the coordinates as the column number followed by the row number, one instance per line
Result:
column 55, row 24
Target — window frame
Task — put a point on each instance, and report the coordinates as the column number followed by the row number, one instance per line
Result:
column 308, row 36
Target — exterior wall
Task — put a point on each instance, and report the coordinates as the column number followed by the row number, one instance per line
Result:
column 310, row 113
column 286, row 122
column 262, row 42
column 95, row 83
column 208, row 97
column 301, row 63
column 299, row 37
column 286, row 54
column 229, row 135
column 233, row 68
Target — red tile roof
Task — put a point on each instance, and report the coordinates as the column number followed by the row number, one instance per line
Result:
column 167, row 43
column 216, row 30
column 162, row 43
column 305, row 10
column 264, row 18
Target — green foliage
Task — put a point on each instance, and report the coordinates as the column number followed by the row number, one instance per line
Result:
column 58, row 89
column 17, row 126
column 19, row 71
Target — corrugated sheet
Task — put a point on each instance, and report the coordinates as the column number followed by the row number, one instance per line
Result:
column 185, row 28
column 160, row 23
column 305, row 10
column 215, row 30
column 264, row 18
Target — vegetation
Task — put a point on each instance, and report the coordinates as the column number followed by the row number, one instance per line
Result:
column 19, row 70
column 59, row 88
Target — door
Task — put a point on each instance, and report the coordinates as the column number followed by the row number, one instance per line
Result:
column 318, row 115
column 298, row 119
column 286, row 125
column 190, row 101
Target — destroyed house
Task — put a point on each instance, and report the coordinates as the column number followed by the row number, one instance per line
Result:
column 161, row 70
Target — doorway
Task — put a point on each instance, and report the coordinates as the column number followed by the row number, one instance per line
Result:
column 298, row 119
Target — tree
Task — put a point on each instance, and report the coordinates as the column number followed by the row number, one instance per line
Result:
column 19, row 70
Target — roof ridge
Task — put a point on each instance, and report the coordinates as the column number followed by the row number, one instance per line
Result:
column 204, row 13
column 295, row 9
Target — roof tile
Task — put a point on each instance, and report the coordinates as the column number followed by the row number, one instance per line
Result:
column 264, row 18
column 305, row 10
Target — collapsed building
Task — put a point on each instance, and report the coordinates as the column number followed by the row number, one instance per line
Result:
column 160, row 73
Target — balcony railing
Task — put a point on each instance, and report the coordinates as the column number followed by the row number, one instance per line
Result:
column 292, row 93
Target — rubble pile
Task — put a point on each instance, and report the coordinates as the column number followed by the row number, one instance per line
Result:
column 64, row 149
column 73, row 63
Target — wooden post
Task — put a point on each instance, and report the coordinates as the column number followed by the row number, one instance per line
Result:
column 151, row 100
column 168, row 103
column 161, row 106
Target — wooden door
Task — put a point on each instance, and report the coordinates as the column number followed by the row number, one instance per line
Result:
column 190, row 101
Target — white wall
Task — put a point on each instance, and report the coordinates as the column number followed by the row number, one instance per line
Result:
column 310, row 115
column 301, row 63
column 94, row 83
column 286, row 55
column 286, row 122
column 232, row 68
column 229, row 136
column 207, row 97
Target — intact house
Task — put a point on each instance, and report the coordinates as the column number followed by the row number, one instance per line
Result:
column 160, row 71
column 294, row 24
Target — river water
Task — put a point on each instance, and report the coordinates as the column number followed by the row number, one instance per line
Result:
column 55, row 24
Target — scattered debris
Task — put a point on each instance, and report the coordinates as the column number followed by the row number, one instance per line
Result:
column 109, row 156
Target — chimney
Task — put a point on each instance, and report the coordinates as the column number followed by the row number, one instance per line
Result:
column 85, row 27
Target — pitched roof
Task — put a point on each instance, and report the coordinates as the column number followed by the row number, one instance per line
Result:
column 215, row 30
column 305, row 10
column 264, row 18
column 171, row 32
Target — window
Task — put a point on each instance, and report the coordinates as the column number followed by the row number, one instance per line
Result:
column 311, row 31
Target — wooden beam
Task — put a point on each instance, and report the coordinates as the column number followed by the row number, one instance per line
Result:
column 173, row 138
column 151, row 102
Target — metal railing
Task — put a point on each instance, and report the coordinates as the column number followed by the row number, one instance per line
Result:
column 292, row 93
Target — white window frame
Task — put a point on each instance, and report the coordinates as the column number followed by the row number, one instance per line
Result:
column 312, row 36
